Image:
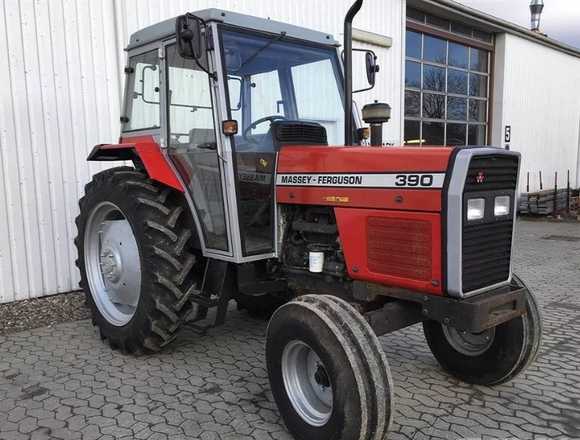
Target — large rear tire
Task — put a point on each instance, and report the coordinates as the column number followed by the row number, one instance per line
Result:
column 328, row 374
column 135, row 259
column 492, row 357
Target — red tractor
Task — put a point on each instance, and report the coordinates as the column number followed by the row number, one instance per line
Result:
column 253, row 181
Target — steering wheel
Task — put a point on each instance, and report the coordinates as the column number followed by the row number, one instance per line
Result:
column 257, row 122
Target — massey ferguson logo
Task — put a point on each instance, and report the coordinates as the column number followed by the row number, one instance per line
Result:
column 480, row 177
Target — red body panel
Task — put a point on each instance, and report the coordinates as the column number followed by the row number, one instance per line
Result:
column 149, row 151
column 389, row 235
column 353, row 226
column 400, row 199
column 362, row 159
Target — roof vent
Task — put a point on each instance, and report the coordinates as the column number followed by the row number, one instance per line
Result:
column 536, row 7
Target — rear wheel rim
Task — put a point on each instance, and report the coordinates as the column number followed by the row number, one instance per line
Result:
column 467, row 343
column 307, row 383
column 112, row 263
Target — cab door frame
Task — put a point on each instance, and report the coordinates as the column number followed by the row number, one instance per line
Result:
column 229, row 254
column 224, row 153
column 225, row 146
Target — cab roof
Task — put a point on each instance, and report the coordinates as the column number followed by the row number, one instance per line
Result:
column 166, row 29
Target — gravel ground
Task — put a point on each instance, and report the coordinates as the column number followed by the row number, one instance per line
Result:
column 42, row 312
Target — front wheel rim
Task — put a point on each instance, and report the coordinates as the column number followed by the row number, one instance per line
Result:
column 307, row 383
column 112, row 263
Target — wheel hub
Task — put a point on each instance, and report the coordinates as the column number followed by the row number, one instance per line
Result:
column 467, row 343
column 111, row 264
column 307, row 383
column 321, row 377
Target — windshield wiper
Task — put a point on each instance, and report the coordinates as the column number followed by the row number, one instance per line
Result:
column 263, row 48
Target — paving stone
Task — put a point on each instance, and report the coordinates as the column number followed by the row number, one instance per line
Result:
column 63, row 382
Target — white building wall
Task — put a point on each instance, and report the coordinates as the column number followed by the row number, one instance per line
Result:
column 60, row 95
column 537, row 93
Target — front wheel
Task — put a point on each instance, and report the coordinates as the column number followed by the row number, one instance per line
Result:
column 328, row 373
column 491, row 357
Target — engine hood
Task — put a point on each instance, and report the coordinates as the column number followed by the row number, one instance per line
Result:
column 402, row 178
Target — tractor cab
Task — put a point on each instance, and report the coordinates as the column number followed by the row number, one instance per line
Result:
column 222, row 92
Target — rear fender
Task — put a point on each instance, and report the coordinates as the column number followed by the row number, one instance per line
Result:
column 145, row 152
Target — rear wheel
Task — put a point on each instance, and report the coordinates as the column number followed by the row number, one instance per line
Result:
column 327, row 371
column 491, row 357
column 137, row 267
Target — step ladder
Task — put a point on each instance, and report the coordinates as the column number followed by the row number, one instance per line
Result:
column 215, row 293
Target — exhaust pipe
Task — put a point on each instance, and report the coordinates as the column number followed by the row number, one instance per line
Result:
column 348, row 127
column 536, row 7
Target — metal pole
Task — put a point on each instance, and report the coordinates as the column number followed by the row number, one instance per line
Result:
column 555, row 192
column 376, row 135
column 568, row 192
column 528, row 183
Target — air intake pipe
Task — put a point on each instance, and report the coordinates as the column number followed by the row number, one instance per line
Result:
column 348, row 127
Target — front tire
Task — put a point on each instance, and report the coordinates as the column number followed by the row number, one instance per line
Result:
column 492, row 357
column 327, row 371
column 135, row 259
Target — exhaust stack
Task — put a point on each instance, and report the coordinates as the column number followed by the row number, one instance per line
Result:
column 348, row 128
column 536, row 7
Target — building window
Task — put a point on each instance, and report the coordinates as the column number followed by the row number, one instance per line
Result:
column 446, row 87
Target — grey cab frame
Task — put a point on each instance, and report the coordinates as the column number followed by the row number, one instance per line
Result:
column 224, row 151
column 224, row 146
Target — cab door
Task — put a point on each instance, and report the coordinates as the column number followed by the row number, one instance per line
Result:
column 192, row 145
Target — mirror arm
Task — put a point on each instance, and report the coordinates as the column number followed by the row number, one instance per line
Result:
column 364, row 90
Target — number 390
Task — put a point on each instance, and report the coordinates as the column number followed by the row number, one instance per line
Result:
column 414, row 180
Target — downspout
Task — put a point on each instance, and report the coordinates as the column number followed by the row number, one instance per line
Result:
column 578, row 159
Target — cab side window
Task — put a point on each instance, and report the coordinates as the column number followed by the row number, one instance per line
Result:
column 142, row 102
column 190, row 108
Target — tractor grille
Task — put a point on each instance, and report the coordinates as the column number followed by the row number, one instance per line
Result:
column 501, row 172
column 400, row 247
column 486, row 244
column 486, row 254
column 303, row 133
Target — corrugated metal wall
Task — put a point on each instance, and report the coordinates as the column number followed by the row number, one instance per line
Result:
column 537, row 93
column 60, row 94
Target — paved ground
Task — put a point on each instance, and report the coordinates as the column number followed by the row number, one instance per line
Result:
column 62, row 382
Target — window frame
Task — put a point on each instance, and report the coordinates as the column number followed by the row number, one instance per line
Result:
column 426, row 30
column 130, row 88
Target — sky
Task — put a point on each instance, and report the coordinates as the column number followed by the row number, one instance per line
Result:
column 560, row 18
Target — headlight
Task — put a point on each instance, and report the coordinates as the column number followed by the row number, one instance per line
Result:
column 475, row 209
column 501, row 206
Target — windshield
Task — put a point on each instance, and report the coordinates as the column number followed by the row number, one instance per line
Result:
column 270, row 78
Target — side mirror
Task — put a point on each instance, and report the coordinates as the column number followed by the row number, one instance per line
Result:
column 372, row 67
column 189, row 39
